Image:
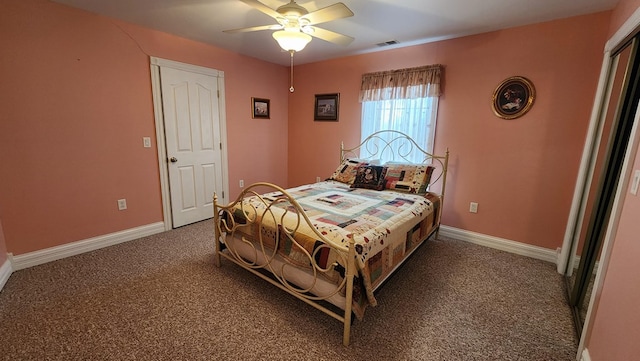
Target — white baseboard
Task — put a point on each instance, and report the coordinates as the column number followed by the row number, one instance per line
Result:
column 502, row 244
column 585, row 355
column 5, row 273
column 35, row 258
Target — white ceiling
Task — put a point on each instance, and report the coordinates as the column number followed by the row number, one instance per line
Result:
column 409, row 22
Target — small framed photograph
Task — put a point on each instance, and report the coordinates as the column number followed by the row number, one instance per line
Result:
column 513, row 97
column 326, row 107
column 260, row 108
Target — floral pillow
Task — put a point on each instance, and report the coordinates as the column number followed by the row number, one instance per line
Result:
column 346, row 172
column 409, row 178
column 370, row 177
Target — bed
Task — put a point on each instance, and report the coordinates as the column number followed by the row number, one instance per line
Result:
column 333, row 243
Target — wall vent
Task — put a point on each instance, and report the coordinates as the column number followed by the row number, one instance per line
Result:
column 387, row 43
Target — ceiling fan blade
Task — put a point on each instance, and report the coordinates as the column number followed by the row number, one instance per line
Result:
column 330, row 36
column 331, row 12
column 254, row 28
column 262, row 7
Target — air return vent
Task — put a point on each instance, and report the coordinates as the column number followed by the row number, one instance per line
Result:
column 387, row 43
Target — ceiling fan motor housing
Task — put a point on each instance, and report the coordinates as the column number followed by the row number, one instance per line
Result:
column 291, row 14
column 292, row 9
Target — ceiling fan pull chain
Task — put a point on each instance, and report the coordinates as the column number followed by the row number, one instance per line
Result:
column 291, row 89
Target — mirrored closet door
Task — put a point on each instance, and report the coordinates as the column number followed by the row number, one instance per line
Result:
column 617, row 113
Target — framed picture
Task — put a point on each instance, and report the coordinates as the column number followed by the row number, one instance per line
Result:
column 513, row 97
column 326, row 107
column 260, row 108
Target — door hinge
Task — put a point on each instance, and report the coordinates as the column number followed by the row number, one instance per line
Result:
column 218, row 93
column 220, row 146
column 222, row 194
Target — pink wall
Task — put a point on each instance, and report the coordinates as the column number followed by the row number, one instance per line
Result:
column 76, row 101
column 614, row 327
column 521, row 172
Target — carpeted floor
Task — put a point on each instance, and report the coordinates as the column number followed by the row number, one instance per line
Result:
column 161, row 298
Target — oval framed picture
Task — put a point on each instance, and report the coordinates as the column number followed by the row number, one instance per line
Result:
column 513, row 97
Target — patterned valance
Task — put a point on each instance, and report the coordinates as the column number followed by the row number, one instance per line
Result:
column 410, row 83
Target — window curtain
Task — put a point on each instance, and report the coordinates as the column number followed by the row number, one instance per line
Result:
column 409, row 83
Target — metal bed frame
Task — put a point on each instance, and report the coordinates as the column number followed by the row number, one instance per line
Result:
column 260, row 256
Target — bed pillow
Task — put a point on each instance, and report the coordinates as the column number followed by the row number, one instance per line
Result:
column 409, row 178
column 346, row 172
column 370, row 177
column 371, row 161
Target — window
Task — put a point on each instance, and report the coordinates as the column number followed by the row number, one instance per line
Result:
column 405, row 100
column 413, row 117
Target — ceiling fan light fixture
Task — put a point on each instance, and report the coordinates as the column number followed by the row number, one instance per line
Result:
column 291, row 40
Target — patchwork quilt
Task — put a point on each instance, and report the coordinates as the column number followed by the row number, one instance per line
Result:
column 385, row 226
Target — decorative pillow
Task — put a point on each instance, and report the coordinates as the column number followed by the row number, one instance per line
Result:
column 409, row 178
column 370, row 177
column 346, row 172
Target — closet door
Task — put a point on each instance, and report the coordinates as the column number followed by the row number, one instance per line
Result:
column 616, row 121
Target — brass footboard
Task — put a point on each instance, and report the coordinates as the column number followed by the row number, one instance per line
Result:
column 265, row 229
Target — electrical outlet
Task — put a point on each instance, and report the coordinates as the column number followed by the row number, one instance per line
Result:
column 317, row 179
column 146, row 142
column 473, row 207
column 122, row 204
column 241, row 183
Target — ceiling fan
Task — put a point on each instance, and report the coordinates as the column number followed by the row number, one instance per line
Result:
column 295, row 24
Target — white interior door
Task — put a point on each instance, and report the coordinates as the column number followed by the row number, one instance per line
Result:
column 191, row 111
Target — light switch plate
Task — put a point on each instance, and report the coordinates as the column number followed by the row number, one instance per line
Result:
column 635, row 182
column 122, row 204
column 146, row 141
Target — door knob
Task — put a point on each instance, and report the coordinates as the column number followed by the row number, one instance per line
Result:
column 173, row 159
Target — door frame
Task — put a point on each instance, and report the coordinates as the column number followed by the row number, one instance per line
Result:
column 156, row 64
